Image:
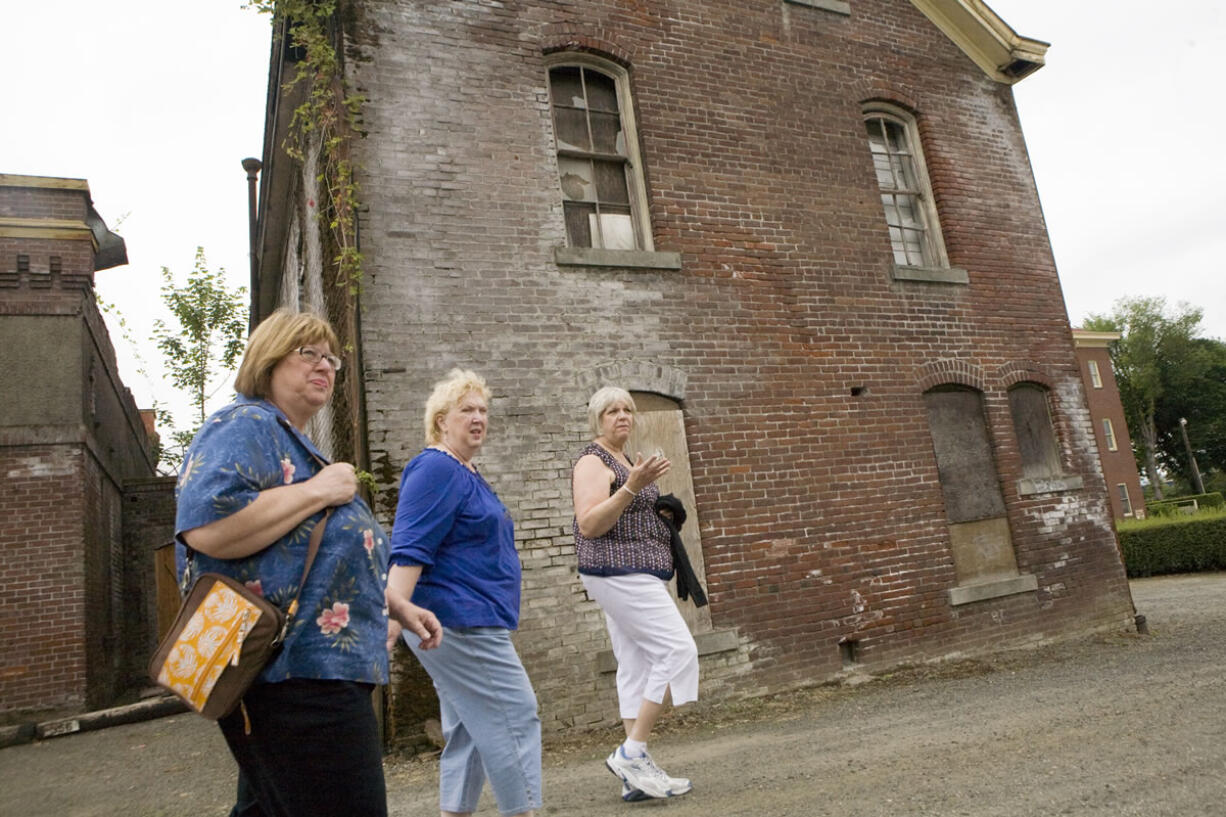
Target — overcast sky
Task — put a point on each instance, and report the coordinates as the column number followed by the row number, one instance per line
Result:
column 156, row 103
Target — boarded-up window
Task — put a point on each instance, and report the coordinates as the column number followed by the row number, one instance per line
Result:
column 659, row 423
column 978, row 528
column 964, row 456
column 1036, row 439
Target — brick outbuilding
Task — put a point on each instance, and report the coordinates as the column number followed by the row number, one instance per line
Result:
column 82, row 506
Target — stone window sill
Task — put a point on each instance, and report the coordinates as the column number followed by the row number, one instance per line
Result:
column 837, row 6
column 1049, row 485
column 592, row 257
column 936, row 275
column 708, row 643
column 992, row 589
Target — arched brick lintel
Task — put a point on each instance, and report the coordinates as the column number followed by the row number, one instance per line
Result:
column 949, row 370
column 636, row 375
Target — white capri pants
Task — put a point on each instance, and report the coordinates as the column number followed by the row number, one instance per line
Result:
column 652, row 644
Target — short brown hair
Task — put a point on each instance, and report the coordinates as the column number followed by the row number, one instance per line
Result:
column 277, row 335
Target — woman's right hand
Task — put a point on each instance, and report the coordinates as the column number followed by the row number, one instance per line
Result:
column 337, row 483
column 646, row 471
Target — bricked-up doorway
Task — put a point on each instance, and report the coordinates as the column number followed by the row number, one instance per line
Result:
column 659, row 423
column 974, row 505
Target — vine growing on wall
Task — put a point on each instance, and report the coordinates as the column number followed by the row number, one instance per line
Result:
column 328, row 115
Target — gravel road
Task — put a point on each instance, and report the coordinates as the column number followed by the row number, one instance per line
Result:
column 1115, row 724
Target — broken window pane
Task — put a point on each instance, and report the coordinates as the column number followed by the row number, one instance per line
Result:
column 606, row 133
column 576, row 177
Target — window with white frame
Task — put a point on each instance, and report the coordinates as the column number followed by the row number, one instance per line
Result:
column 599, row 170
column 910, row 213
column 1096, row 378
column 1125, row 502
column 1109, row 434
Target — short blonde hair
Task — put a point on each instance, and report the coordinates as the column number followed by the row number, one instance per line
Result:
column 277, row 335
column 447, row 394
column 602, row 400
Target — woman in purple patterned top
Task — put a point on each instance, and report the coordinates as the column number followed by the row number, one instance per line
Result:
column 625, row 562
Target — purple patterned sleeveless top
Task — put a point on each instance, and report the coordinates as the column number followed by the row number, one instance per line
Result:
column 637, row 543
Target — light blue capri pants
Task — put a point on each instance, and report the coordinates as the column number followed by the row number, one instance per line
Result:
column 490, row 720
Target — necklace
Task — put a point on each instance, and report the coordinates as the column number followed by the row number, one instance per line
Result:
column 446, row 449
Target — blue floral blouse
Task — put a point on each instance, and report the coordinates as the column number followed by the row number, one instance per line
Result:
column 340, row 632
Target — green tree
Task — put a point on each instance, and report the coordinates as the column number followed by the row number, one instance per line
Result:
column 202, row 348
column 1164, row 372
column 1196, row 392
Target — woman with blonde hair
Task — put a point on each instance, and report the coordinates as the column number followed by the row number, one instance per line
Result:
column 625, row 562
column 453, row 553
column 251, row 491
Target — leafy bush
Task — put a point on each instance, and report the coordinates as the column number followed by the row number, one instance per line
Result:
column 1172, row 506
column 1174, row 544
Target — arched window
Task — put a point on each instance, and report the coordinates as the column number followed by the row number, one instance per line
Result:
column 906, row 195
column 599, row 171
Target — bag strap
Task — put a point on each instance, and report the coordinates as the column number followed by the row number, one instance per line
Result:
column 317, row 536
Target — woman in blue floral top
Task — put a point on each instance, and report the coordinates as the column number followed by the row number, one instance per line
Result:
column 250, row 492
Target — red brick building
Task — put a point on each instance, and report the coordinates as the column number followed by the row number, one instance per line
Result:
column 81, row 505
column 1110, row 426
column 806, row 233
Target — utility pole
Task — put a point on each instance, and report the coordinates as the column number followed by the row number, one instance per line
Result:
column 1183, row 429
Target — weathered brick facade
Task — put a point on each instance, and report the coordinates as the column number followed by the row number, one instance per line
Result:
column 78, row 590
column 799, row 359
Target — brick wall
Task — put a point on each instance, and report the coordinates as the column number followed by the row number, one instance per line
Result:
column 42, row 651
column 799, row 362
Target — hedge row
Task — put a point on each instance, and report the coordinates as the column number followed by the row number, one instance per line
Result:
column 1180, row 544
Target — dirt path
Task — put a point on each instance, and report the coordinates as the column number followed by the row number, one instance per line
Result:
column 1111, row 725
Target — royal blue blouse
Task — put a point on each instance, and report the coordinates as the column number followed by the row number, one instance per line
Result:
column 451, row 523
column 340, row 632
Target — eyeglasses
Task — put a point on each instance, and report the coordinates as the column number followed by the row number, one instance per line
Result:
column 313, row 356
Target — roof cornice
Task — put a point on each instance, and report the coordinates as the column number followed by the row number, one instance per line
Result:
column 1089, row 339
column 1002, row 53
column 42, row 182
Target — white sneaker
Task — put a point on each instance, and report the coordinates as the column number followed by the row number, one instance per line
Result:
column 677, row 786
column 642, row 774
